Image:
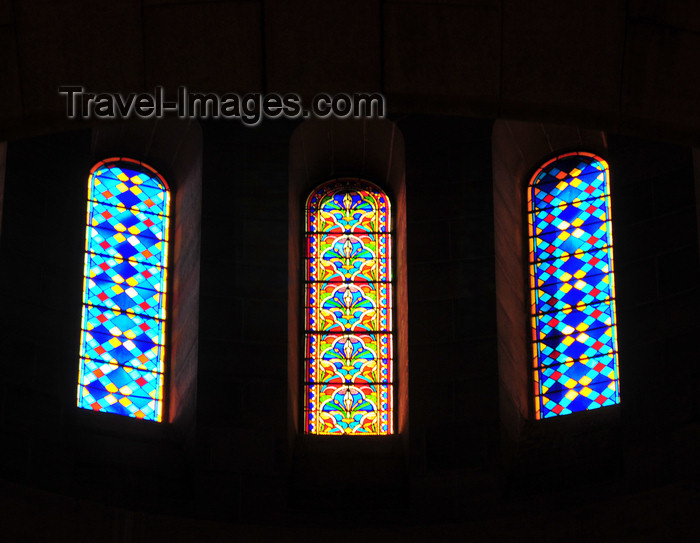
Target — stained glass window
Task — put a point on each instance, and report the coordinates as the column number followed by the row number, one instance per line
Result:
column 348, row 385
column 572, row 286
column 122, row 347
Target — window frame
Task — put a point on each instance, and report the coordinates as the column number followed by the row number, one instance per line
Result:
column 162, row 414
column 531, row 312
column 392, row 331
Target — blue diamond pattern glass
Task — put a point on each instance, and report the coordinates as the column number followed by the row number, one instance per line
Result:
column 122, row 347
column 572, row 286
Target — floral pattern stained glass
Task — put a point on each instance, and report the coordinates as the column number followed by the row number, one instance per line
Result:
column 122, row 346
column 348, row 384
column 572, row 286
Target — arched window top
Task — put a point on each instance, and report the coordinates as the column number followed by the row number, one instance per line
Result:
column 572, row 286
column 348, row 205
column 122, row 348
column 348, row 382
column 130, row 183
column 552, row 188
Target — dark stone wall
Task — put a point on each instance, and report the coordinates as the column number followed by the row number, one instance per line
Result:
column 656, row 259
column 454, row 381
column 242, row 396
column 624, row 64
column 41, row 277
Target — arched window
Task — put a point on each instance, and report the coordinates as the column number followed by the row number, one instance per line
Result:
column 572, row 286
column 348, row 385
column 122, row 348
